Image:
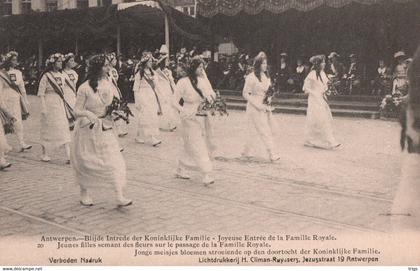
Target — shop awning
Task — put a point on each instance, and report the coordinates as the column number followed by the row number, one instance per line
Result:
column 146, row 17
column 210, row 8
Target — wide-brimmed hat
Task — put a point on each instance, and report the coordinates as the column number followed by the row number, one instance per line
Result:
column 333, row 54
column 283, row 54
column 399, row 54
column 408, row 60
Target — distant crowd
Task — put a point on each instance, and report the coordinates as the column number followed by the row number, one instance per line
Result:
column 229, row 72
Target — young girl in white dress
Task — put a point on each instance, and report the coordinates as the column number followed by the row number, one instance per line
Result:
column 95, row 152
column 165, row 87
column 147, row 103
column 4, row 147
column 120, row 125
column 318, row 130
column 71, row 76
column 14, row 95
column 55, row 126
column 196, row 151
column 259, row 114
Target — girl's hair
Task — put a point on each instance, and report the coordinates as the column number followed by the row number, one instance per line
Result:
column 7, row 64
column 316, row 65
column 67, row 59
column 142, row 68
column 96, row 63
column 258, row 60
column 192, row 75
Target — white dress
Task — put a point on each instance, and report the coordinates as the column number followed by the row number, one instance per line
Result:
column 95, row 154
column 164, row 88
column 147, row 106
column 196, row 151
column 55, row 130
column 12, row 101
column 4, row 146
column 254, row 92
column 318, row 130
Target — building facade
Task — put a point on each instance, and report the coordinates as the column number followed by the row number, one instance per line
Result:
column 13, row 7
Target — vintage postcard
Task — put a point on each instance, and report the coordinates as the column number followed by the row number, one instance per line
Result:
column 210, row 133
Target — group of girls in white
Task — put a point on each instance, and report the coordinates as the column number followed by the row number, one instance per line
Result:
column 77, row 119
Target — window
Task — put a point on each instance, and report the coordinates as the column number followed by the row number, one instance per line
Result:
column 26, row 6
column 51, row 6
column 82, row 4
column 185, row 10
column 6, row 8
column 192, row 11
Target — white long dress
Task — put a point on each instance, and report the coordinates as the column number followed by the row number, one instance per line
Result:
column 55, row 130
column 165, row 87
column 95, row 154
column 147, row 106
column 196, row 151
column 318, row 130
column 262, row 121
column 4, row 146
column 12, row 101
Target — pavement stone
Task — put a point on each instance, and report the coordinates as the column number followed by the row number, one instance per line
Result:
column 346, row 190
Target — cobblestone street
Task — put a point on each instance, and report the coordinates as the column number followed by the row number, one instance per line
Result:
column 350, row 189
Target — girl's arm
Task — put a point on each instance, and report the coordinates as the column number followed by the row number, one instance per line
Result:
column 79, row 108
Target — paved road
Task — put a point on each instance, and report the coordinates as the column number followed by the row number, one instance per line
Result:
column 348, row 190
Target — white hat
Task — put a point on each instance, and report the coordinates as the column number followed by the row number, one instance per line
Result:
column 399, row 54
column 164, row 49
column 333, row 54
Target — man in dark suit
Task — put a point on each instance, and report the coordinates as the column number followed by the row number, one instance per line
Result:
column 336, row 70
column 354, row 76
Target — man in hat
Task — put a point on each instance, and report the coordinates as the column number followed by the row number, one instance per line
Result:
column 284, row 81
column 299, row 75
column 354, row 76
column 400, row 83
column 335, row 70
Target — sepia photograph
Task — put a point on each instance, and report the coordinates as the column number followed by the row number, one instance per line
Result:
column 209, row 132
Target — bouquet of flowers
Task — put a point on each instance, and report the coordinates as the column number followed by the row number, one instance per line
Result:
column 216, row 106
column 7, row 121
column 117, row 110
column 333, row 85
column 391, row 105
column 269, row 95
